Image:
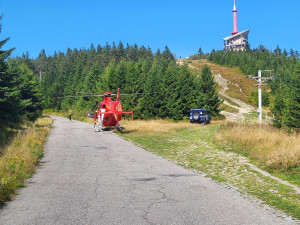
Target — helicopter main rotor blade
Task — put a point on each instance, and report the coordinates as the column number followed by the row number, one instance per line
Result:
column 138, row 94
column 95, row 94
column 101, row 95
column 90, row 94
column 79, row 96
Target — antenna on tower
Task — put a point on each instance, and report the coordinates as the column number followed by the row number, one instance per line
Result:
column 235, row 31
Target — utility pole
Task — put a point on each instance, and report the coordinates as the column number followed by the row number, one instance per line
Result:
column 260, row 82
column 259, row 97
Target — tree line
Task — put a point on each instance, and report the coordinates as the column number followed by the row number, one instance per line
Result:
column 170, row 90
column 285, row 87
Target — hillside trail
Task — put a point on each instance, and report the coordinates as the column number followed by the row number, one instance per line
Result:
column 242, row 107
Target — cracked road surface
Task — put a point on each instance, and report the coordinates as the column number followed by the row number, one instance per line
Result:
column 98, row 178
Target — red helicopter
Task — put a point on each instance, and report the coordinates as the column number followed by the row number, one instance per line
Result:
column 109, row 112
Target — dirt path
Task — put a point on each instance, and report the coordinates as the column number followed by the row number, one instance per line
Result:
column 238, row 104
column 242, row 107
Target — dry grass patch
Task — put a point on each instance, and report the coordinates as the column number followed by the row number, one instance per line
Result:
column 271, row 147
column 152, row 126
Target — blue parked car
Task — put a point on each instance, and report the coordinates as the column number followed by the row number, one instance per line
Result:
column 200, row 116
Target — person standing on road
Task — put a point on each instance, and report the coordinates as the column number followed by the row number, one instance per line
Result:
column 70, row 114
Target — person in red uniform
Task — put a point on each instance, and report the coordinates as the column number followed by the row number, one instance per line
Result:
column 95, row 117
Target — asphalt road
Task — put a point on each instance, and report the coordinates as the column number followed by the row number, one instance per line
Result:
column 98, row 178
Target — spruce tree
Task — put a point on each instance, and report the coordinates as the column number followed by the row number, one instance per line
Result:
column 133, row 53
column 31, row 95
column 291, row 113
column 41, row 64
column 167, row 54
column 9, row 93
column 200, row 52
column 277, row 51
column 208, row 86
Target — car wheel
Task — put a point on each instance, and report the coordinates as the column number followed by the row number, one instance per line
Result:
column 196, row 115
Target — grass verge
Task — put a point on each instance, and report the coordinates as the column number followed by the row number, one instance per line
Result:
column 20, row 157
column 192, row 147
column 272, row 149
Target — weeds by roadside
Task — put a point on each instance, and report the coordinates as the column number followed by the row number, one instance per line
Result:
column 20, row 157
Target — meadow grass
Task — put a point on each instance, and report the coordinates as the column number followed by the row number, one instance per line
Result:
column 20, row 157
column 274, row 150
column 193, row 147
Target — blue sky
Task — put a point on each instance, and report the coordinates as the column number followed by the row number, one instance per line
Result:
column 55, row 25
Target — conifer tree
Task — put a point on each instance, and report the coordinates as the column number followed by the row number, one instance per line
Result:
column 133, row 53
column 9, row 93
column 167, row 54
column 277, row 51
column 30, row 93
column 41, row 64
column 208, row 86
column 200, row 52
column 120, row 54
column 291, row 113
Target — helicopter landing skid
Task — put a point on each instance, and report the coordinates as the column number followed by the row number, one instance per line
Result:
column 119, row 128
column 97, row 128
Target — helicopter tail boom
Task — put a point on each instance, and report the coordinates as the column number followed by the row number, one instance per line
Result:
column 131, row 112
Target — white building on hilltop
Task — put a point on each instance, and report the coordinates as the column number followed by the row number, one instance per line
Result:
column 236, row 42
